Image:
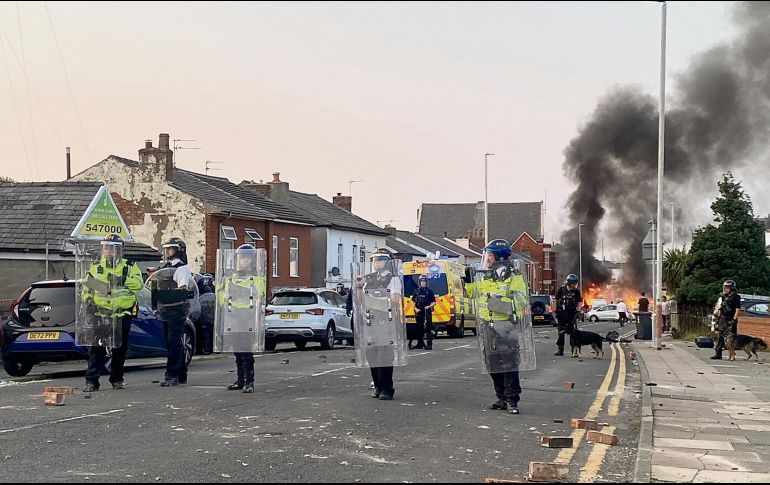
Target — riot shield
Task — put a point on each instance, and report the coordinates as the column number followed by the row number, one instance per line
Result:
column 171, row 302
column 95, row 322
column 240, row 302
column 504, row 319
column 378, row 315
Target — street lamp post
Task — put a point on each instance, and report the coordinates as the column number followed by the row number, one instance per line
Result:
column 661, row 140
column 673, row 245
column 580, row 245
column 486, row 198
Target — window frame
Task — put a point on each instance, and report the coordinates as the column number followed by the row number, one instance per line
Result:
column 275, row 256
column 294, row 257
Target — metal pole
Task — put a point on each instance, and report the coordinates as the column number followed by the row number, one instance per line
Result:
column 580, row 244
column 46, row 245
column 661, row 141
column 673, row 244
column 486, row 199
column 69, row 171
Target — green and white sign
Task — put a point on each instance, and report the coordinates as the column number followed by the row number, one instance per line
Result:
column 101, row 219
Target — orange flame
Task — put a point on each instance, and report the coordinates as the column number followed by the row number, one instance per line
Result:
column 611, row 294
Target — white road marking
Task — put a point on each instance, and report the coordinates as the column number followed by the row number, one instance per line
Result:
column 2, row 431
column 458, row 347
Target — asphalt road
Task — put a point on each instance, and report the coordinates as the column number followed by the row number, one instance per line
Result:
column 312, row 420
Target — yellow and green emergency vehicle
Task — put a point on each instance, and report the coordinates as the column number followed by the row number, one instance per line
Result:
column 454, row 312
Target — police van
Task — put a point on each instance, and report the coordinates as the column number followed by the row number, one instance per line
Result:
column 454, row 312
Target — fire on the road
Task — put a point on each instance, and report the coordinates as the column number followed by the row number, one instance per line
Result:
column 611, row 294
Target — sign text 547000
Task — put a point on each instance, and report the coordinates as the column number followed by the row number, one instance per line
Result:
column 103, row 228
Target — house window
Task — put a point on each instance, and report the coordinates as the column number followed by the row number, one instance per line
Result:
column 227, row 237
column 252, row 236
column 294, row 256
column 340, row 256
column 547, row 261
column 362, row 259
column 355, row 254
column 275, row 255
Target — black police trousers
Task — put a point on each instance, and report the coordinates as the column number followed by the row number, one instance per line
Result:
column 383, row 380
column 507, row 386
column 176, row 363
column 565, row 323
column 244, row 361
column 97, row 357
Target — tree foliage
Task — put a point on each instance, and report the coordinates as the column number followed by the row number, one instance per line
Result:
column 674, row 268
column 732, row 249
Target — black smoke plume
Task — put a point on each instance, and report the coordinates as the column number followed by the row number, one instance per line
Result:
column 716, row 120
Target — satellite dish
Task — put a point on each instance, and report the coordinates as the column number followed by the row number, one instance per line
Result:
column 335, row 271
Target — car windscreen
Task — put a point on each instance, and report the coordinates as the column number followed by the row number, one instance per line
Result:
column 544, row 299
column 294, row 298
column 436, row 282
column 49, row 306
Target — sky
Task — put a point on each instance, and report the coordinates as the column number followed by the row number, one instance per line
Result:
column 406, row 97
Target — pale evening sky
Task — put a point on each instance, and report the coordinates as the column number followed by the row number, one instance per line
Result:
column 406, row 96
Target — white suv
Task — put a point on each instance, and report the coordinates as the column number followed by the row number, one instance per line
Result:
column 307, row 315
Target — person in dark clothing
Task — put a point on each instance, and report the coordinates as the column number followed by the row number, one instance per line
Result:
column 568, row 299
column 727, row 323
column 644, row 304
column 424, row 300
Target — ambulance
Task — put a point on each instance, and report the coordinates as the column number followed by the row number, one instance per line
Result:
column 454, row 312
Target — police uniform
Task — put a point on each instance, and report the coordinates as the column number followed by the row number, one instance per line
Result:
column 174, row 315
column 378, row 282
column 422, row 298
column 240, row 288
column 501, row 285
column 727, row 324
column 124, row 280
column 567, row 300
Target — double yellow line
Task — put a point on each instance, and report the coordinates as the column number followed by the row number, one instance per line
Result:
column 590, row 471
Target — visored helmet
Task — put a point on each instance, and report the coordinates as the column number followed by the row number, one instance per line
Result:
column 729, row 284
column 382, row 254
column 112, row 249
column 246, row 258
column 177, row 248
column 496, row 250
column 572, row 279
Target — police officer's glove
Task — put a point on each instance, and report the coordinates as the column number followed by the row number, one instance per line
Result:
column 468, row 275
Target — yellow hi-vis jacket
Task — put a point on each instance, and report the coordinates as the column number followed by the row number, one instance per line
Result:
column 511, row 289
column 113, row 289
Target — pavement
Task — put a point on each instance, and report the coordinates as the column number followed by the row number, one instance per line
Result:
column 704, row 421
column 312, row 420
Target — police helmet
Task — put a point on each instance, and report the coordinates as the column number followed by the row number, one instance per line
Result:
column 500, row 248
column 422, row 278
column 112, row 239
column 179, row 245
column 572, row 279
column 246, row 257
column 382, row 254
column 729, row 284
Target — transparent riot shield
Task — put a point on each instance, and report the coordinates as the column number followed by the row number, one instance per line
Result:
column 240, row 301
column 95, row 322
column 380, row 334
column 171, row 302
column 504, row 319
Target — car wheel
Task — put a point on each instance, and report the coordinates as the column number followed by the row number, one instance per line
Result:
column 328, row 341
column 594, row 318
column 474, row 331
column 270, row 344
column 188, row 344
column 300, row 344
column 461, row 330
column 17, row 369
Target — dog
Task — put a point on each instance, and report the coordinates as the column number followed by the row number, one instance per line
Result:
column 749, row 344
column 579, row 338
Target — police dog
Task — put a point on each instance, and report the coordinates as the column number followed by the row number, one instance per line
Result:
column 578, row 338
column 749, row 344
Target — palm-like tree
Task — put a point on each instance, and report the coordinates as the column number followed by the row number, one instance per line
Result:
column 674, row 264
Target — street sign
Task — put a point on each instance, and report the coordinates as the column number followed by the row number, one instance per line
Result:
column 101, row 219
column 648, row 246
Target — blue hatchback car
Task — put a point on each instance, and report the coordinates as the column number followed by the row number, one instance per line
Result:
column 42, row 329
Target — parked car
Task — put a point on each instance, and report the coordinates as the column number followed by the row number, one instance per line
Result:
column 42, row 329
column 605, row 312
column 755, row 313
column 307, row 315
column 542, row 310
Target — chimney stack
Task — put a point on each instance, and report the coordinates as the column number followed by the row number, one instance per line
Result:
column 157, row 163
column 391, row 230
column 279, row 191
column 260, row 187
column 343, row 201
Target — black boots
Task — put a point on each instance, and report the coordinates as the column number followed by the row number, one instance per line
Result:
column 500, row 405
column 237, row 385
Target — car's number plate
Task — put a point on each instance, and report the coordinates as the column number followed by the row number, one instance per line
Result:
column 539, row 317
column 43, row 336
column 410, row 320
column 289, row 316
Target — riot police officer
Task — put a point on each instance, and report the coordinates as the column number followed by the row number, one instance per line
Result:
column 111, row 294
column 379, row 284
column 500, row 291
column 424, row 300
column 239, row 291
column 727, row 323
column 174, row 314
column 568, row 298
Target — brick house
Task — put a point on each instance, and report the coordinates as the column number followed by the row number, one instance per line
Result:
column 159, row 201
column 542, row 276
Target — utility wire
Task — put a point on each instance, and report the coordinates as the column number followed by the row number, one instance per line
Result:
column 29, row 101
column 69, row 84
column 16, row 105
